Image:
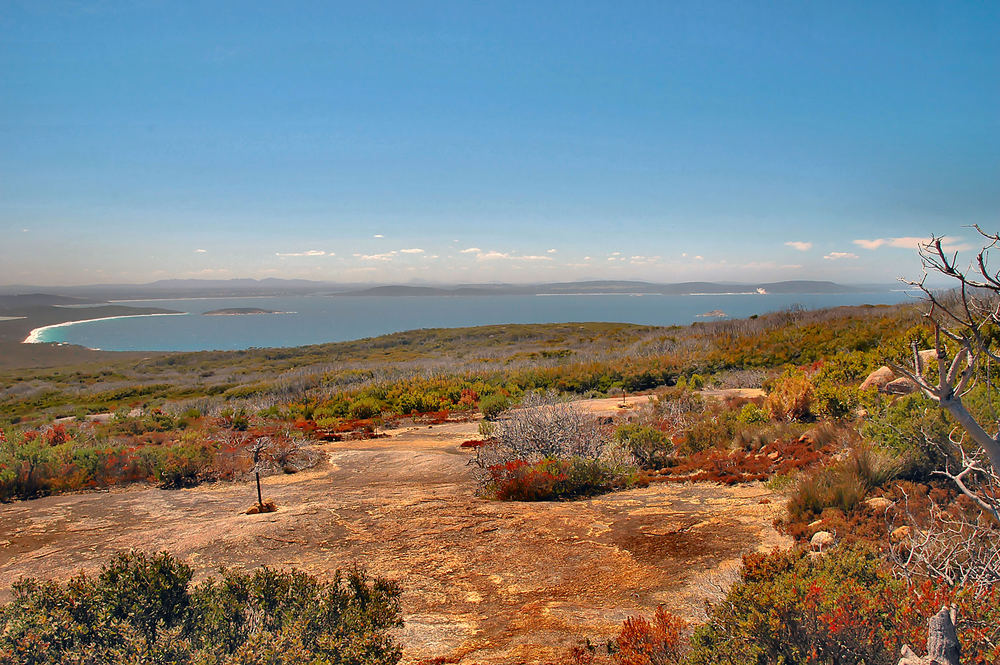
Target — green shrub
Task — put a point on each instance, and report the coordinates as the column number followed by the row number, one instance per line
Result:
column 650, row 447
column 715, row 428
column 844, row 608
column 844, row 484
column 751, row 414
column 364, row 408
column 492, row 406
column 141, row 609
column 915, row 430
column 790, row 397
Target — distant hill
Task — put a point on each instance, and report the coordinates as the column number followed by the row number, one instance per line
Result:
column 24, row 300
column 605, row 287
column 221, row 288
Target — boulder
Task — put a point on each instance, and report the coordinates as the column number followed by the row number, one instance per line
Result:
column 822, row 539
column 879, row 504
column 926, row 356
column 900, row 534
column 878, row 379
column 901, row 386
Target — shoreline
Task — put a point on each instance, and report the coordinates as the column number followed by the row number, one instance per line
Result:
column 33, row 336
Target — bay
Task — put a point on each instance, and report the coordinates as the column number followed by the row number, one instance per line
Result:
column 319, row 319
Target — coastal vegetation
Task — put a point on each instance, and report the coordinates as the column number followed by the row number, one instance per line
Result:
column 144, row 608
column 776, row 399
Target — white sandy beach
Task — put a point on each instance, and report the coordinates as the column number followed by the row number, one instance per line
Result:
column 34, row 337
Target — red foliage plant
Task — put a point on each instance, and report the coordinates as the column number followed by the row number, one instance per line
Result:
column 657, row 642
column 742, row 466
column 56, row 435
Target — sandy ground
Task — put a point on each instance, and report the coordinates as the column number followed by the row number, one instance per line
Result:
column 483, row 581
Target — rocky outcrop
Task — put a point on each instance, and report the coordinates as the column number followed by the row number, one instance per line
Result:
column 887, row 381
column 901, row 386
column 822, row 540
column 879, row 378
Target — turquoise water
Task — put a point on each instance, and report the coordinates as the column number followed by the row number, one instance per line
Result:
column 318, row 319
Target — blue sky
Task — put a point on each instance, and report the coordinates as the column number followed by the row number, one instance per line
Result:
column 394, row 141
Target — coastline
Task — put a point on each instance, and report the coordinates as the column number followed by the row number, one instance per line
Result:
column 34, row 335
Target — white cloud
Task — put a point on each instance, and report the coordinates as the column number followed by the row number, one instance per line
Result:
column 699, row 257
column 414, row 250
column 643, row 260
column 950, row 244
column 308, row 252
column 24, row 230
column 586, row 258
column 550, row 251
column 836, row 256
column 871, row 244
column 378, row 235
column 387, row 256
column 802, row 246
column 494, row 255
column 471, row 250
column 616, row 253
column 200, row 251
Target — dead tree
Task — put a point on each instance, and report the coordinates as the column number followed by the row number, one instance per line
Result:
column 965, row 322
column 258, row 448
column 942, row 642
column 963, row 317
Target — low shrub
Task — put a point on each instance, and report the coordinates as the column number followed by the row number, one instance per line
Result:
column 556, row 479
column 790, row 398
column 661, row 641
column 142, row 609
column 492, row 406
column 650, row 447
column 844, row 608
column 364, row 409
column 844, row 484
column 778, row 458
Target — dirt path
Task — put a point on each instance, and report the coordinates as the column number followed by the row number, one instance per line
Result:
column 483, row 581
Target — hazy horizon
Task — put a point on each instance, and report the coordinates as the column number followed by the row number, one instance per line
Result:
column 526, row 142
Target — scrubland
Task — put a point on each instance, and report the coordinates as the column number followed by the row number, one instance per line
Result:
column 848, row 476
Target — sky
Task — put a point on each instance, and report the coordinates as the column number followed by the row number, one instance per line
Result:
column 493, row 141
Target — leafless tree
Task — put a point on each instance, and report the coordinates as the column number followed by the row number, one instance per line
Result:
column 258, row 449
column 959, row 549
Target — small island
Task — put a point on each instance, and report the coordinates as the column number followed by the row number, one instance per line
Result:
column 240, row 311
column 715, row 313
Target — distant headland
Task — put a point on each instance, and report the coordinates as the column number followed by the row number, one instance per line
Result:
column 240, row 311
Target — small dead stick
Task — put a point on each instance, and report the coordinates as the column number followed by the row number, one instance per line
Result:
column 285, row 540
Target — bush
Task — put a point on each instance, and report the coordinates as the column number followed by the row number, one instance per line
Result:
column 650, row 447
column 915, row 430
column 142, row 609
column 661, row 641
column 492, row 406
column 790, row 398
column 363, row 409
column 555, row 479
column 844, row 484
column 844, row 608
column 751, row 414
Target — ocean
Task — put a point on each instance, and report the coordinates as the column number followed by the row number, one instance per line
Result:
column 317, row 319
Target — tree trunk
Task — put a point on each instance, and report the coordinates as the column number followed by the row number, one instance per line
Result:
column 260, row 501
column 942, row 642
